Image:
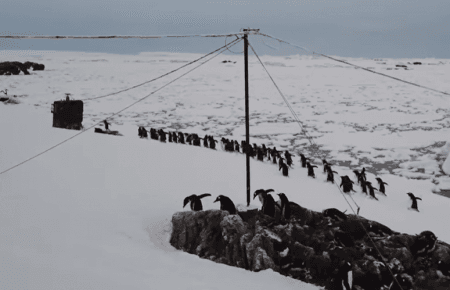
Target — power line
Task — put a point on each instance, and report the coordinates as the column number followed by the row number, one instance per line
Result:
column 231, row 44
column 357, row 214
column 141, row 84
column 301, row 125
column 118, row 36
column 357, row 66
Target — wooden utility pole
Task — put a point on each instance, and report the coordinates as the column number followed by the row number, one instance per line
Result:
column 247, row 124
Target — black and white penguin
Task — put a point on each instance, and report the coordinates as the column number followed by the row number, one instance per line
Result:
column 381, row 183
column 285, row 206
column 236, row 146
column 330, row 176
column 260, row 155
column 414, row 201
column 285, row 169
column 195, row 201
column 311, row 170
column 174, row 137
column 267, row 201
column 162, row 135
column 363, row 174
column 288, row 157
column 371, row 189
column 346, row 184
column 181, row 138
column 212, row 142
column 363, row 186
column 342, row 277
column 226, row 204
column 205, row 141
column 335, row 214
column 303, row 160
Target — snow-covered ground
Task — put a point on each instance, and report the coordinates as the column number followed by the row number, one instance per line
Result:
column 94, row 213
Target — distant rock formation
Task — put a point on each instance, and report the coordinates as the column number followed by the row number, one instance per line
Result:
column 310, row 247
column 15, row 67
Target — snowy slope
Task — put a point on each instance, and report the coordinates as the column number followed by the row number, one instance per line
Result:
column 95, row 212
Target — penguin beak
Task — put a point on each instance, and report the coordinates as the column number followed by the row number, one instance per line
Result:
column 217, row 199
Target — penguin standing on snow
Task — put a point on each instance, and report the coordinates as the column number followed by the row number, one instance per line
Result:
column 174, row 137
column 311, row 170
column 330, row 176
column 205, row 141
column 346, row 184
column 371, row 189
column 226, row 204
column 357, row 174
column 303, row 160
column 268, row 203
column 285, row 206
column 195, row 202
column 381, row 183
column 285, row 169
column 414, row 200
column 288, row 158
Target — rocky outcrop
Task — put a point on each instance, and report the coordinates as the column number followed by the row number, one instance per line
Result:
column 311, row 246
column 15, row 67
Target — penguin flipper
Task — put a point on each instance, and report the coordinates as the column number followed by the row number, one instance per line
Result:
column 269, row 190
column 204, row 195
column 418, row 198
column 186, row 201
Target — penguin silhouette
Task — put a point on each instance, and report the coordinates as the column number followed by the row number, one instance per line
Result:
column 195, row 201
column 285, row 169
column 414, row 200
column 381, row 183
column 303, row 160
column 285, row 206
column 371, row 189
column 268, row 203
column 226, row 204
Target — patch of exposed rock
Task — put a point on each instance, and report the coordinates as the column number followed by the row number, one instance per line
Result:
column 15, row 67
column 310, row 247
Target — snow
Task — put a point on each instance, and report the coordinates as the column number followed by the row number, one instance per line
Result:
column 94, row 213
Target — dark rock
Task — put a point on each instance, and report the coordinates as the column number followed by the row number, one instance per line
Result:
column 311, row 247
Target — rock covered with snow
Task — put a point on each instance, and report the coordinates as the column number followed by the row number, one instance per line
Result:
column 310, row 247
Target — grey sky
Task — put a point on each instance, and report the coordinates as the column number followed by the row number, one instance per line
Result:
column 375, row 28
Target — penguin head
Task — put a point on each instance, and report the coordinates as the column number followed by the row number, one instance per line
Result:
column 258, row 192
column 218, row 198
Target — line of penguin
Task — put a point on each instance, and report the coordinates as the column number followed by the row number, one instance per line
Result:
column 262, row 152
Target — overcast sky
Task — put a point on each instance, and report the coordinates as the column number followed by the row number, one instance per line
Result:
column 356, row 28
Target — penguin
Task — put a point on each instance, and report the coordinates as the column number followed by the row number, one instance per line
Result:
column 181, row 138
column 342, row 277
column 195, row 202
column 335, row 214
column 363, row 186
column 212, row 143
column 330, row 176
column 311, row 170
column 303, row 160
column 285, row 169
column 196, row 141
column 174, row 137
column 363, row 174
column 285, row 206
column 280, row 161
column 414, row 201
column 346, row 184
column 371, row 189
column 162, row 135
column 170, row 137
column 205, row 141
column 260, row 155
column 288, row 157
column 268, row 203
column 226, row 204
column 236, row 146
column 381, row 183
